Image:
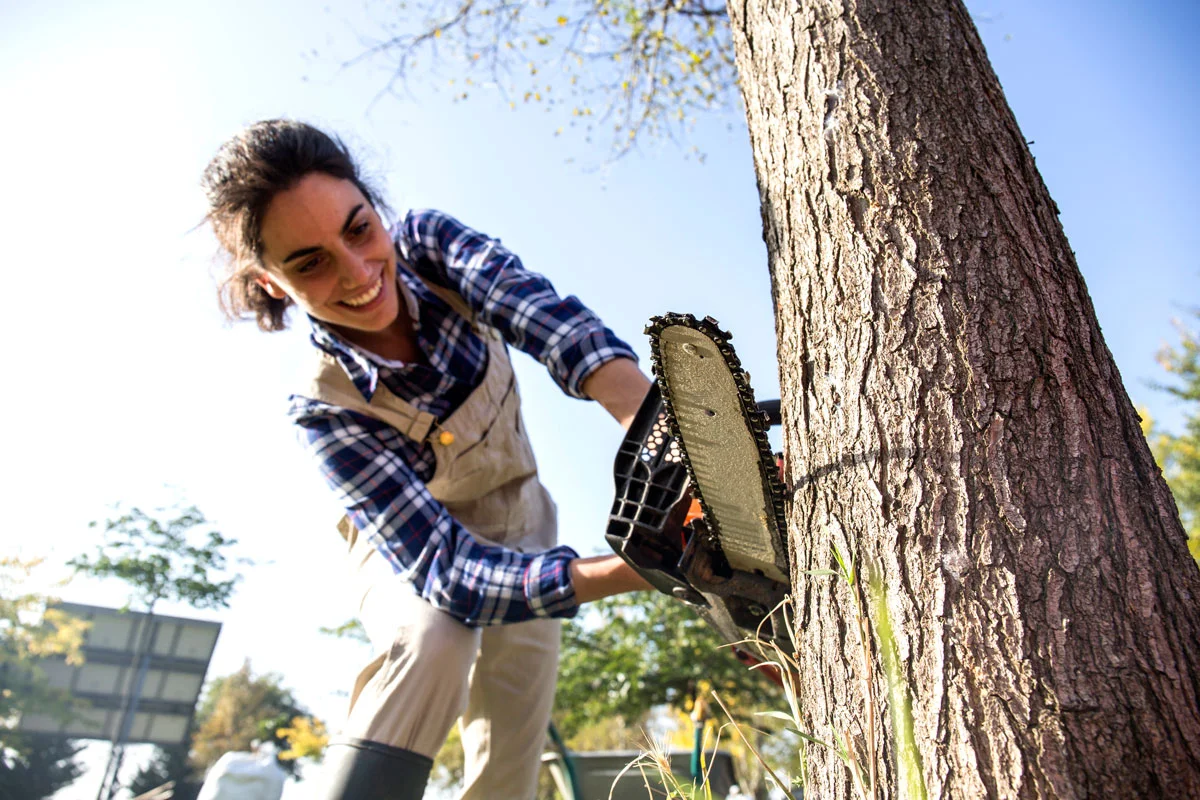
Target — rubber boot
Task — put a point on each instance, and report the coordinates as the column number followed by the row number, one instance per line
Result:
column 357, row 769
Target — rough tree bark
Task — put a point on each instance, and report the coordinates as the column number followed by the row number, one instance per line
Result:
column 955, row 422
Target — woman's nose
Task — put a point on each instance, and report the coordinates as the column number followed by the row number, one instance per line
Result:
column 355, row 270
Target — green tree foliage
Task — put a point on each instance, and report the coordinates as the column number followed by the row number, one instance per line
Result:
column 30, row 629
column 168, row 764
column 176, row 555
column 351, row 629
column 621, row 69
column 35, row 767
column 633, row 652
column 238, row 709
column 632, row 655
column 1179, row 455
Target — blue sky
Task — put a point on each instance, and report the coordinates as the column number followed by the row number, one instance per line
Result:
column 124, row 380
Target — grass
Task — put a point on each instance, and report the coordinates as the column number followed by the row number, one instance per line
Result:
column 873, row 628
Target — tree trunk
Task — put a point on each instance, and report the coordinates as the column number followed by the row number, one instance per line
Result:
column 955, row 424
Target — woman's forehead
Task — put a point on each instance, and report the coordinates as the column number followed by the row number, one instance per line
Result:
column 318, row 206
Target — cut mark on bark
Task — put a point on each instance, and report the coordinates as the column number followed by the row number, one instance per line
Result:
column 833, row 98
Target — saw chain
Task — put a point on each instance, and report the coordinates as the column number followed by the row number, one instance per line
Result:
column 699, row 505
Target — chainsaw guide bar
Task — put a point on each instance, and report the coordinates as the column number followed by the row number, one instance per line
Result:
column 701, row 436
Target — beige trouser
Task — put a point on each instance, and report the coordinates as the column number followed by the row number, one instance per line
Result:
column 430, row 669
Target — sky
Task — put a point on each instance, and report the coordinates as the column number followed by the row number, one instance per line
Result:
column 125, row 385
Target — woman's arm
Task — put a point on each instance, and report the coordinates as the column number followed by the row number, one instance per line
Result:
column 603, row 576
column 620, row 387
column 477, row 584
column 560, row 332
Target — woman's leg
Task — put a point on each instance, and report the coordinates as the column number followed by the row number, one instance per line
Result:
column 403, row 702
column 504, row 726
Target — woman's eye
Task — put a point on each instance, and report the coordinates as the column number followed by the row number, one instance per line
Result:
column 309, row 265
column 360, row 230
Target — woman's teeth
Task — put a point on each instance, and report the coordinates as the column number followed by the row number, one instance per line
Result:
column 367, row 296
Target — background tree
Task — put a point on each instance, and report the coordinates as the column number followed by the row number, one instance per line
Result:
column 1179, row 455
column 622, row 70
column 238, row 709
column 175, row 555
column 168, row 764
column 630, row 653
column 955, row 428
column 630, row 657
column 306, row 737
column 35, row 767
column 31, row 629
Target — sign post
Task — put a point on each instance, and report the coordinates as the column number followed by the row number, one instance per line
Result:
column 140, row 681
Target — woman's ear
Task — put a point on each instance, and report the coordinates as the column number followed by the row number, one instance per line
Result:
column 273, row 289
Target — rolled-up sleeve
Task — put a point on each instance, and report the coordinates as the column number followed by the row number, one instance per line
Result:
column 560, row 332
column 477, row 584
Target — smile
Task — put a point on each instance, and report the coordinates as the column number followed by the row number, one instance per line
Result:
column 370, row 294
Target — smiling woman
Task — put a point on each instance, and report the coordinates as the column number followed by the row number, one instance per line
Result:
column 413, row 417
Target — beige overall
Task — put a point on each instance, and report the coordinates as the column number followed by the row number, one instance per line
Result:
column 430, row 669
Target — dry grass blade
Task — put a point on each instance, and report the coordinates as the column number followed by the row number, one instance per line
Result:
column 783, row 787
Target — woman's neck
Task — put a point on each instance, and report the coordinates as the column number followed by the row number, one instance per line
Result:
column 396, row 342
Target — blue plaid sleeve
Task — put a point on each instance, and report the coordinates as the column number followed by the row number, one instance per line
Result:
column 475, row 583
column 560, row 332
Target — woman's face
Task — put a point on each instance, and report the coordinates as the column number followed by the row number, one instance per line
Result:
column 325, row 247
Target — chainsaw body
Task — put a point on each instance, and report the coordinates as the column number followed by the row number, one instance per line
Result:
column 658, row 526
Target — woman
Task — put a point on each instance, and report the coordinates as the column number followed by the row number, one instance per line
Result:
column 413, row 417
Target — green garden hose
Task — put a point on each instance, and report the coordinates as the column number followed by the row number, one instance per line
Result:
column 568, row 763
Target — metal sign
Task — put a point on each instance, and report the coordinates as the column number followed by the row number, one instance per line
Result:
column 176, row 651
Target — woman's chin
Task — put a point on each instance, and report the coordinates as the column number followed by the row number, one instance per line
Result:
column 375, row 319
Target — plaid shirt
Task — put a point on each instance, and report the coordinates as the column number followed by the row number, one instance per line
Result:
column 380, row 475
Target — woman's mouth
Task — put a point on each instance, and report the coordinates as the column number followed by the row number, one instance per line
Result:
column 365, row 298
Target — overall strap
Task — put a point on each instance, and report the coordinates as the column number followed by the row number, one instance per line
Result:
column 332, row 385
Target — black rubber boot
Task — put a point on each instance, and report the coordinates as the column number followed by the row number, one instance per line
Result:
column 357, row 769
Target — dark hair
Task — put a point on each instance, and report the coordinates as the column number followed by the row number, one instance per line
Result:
column 248, row 171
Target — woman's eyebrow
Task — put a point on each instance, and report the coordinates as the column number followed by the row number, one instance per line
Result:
column 303, row 251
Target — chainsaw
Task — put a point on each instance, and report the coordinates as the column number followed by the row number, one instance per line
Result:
column 699, row 503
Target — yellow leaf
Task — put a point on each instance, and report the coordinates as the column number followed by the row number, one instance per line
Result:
column 437, row 34
column 562, row 20
column 306, row 737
